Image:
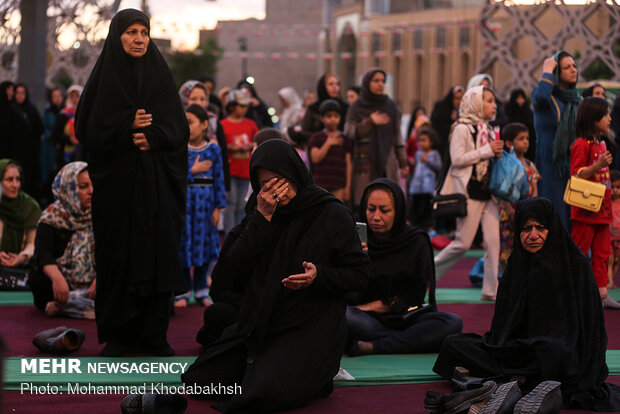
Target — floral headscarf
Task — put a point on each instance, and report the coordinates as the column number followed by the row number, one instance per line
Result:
column 184, row 92
column 471, row 113
column 77, row 264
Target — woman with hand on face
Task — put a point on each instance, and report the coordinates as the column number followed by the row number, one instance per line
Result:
column 131, row 121
column 548, row 322
column 401, row 271
column 297, row 257
column 373, row 124
column 19, row 214
column 555, row 100
column 64, row 280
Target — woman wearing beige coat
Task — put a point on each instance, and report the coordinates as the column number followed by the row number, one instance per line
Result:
column 472, row 145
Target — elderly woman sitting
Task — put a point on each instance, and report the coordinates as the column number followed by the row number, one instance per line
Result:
column 548, row 322
column 64, row 279
column 401, row 272
column 18, row 217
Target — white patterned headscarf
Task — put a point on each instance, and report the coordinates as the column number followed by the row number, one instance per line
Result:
column 471, row 113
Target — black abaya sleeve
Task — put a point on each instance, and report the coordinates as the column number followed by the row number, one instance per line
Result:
column 352, row 272
column 221, row 141
column 257, row 239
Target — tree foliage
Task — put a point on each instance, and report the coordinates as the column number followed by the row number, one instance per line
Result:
column 196, row 63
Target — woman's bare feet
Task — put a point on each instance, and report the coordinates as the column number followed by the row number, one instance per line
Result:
column 366, row 348
column 52, row 308
column 206, row 302
column 181, row 303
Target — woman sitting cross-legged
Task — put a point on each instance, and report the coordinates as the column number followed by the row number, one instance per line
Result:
column 63, row 281
column 548, row 322
column 401, row 272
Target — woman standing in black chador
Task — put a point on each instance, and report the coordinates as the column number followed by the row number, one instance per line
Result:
column 27, row 141
column 548, row 322
column 298, row 256
column 131, row 121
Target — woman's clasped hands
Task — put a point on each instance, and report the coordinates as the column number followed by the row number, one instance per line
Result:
column 141, row 120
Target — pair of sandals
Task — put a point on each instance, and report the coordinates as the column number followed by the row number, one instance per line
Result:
column 478, row 397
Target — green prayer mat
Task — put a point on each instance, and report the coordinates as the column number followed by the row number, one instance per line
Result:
column 366, row 370
column 16, row 298
column 444, row 296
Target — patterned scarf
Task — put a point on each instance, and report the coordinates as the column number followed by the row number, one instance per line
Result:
column 565, row 134
column 77, row 264
column 184, row 92
column 472, row 115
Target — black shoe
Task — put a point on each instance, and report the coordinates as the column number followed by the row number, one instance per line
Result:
column 546, row 398
column 503, row 399
column 437, row 403
column 112, row 349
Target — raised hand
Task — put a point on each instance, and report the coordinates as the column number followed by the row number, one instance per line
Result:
column 301, row 280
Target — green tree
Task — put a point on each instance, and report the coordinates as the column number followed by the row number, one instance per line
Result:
column 597, row 70
column 195, row 63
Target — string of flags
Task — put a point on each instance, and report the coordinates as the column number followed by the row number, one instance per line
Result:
column 400, row 28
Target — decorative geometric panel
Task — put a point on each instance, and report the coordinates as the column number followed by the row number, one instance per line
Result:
column 76, row 29
column 579, row 24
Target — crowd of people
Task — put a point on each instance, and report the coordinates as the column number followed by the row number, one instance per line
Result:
column 159, row 195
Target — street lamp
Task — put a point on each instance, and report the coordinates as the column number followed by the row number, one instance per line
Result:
column 242, row 43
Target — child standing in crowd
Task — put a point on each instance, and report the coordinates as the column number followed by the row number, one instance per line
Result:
column 427, row 165
column 239, row 132
column 206, row 196
column 590, row 160
column 615, row 227
column 516, row 137
column 330, row 153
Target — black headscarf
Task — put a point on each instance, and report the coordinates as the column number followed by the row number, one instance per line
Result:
column 322, row 95
column 441, row 118
column 118, row 86
column 548, row 302
column 396, row 250
column 282, row 158
column 7, row 122
column 382, row 138
column 524, row 115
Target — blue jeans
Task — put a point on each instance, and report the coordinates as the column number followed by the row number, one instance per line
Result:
column 199, row 285
column 235, row 205
column 425, row 335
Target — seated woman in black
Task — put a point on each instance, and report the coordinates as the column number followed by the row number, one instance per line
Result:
column 63, row 281
column 298, row 256
column 19, row 214
column 548, row 322
column 401, row 271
